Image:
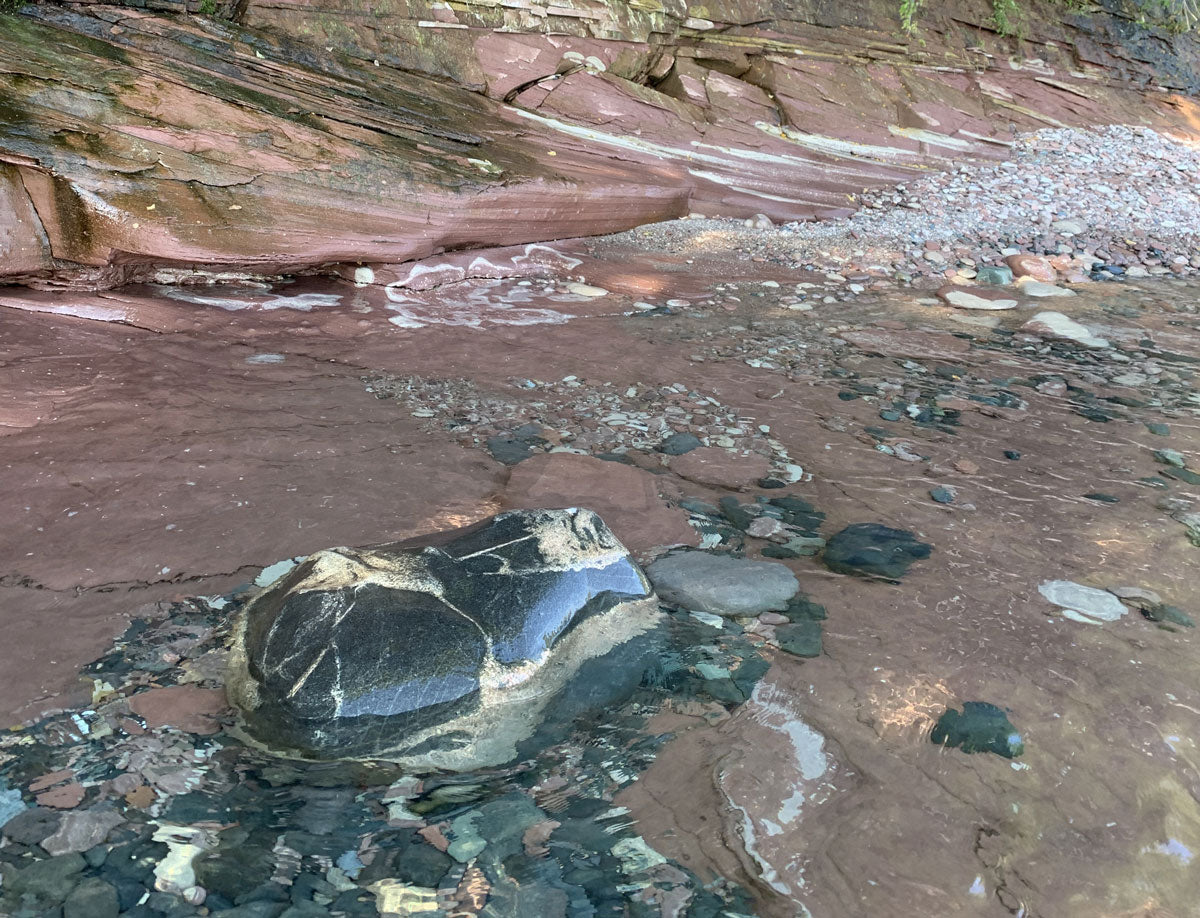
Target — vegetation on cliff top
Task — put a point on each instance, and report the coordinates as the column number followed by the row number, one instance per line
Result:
column 1007, row 15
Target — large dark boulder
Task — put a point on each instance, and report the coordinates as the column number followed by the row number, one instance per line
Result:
column 441, row 653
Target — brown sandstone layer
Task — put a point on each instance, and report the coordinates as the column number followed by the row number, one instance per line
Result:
column 307, row 135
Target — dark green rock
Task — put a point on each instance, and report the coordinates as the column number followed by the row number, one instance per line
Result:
column 793, row 548
column 890, row 414
column 406, row 856
column 1102, row 498
column 802, row 638
column 738, row 515
column 1166, row 613
column 1185, row 475
column 802, row 609
column 52, row 880
column 679, row 443
column 1012, row 455
column 33, row 825
column 942, row 495
column 978, row 727
column 874, row 550
column 798, row 513
column 244, row 862
column 509, row 451
column 1158, row 429
column 93, row 898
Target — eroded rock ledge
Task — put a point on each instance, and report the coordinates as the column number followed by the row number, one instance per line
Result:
column 304, row 135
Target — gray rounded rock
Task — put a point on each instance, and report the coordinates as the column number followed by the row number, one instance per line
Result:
column 722, row 584
column 438, row 653
column 93, row 898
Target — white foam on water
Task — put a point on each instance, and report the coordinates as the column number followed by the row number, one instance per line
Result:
column 477, row 303
column 266, row 302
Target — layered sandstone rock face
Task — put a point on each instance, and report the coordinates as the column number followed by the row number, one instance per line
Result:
column 294, row 136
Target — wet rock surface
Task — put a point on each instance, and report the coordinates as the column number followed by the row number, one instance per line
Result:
column 442, row 655
column 306, row 407
column 189, row 825
column 874, row 550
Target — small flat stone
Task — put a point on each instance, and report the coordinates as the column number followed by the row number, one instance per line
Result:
column 1012, row 454
column 1170, row 457
column 65, row 797
column 801, row 639
column 1171, row 614
column 1159, row 430
column 943, row 494
column 978, row 727
column 874, row 550
column 82, row 829
column 586, row 290
column 721, row 584
column 976, row 297
column 184, row 707
column 720, row 468
column 50, row 779
column 1089, row 604
column 1057, row 325
column 997, row 275
column 679, row 443
column 1185, row 475
column 509, row 450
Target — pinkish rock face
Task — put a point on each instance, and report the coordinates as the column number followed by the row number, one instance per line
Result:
column 625, row 497
column 721, row 468
column 23, row 248
column 1034, row 266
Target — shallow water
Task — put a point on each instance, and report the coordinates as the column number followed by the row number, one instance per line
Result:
column 180, row 447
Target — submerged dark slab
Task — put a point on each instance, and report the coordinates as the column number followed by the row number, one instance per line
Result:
column 874, row 550
column 442, row 652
